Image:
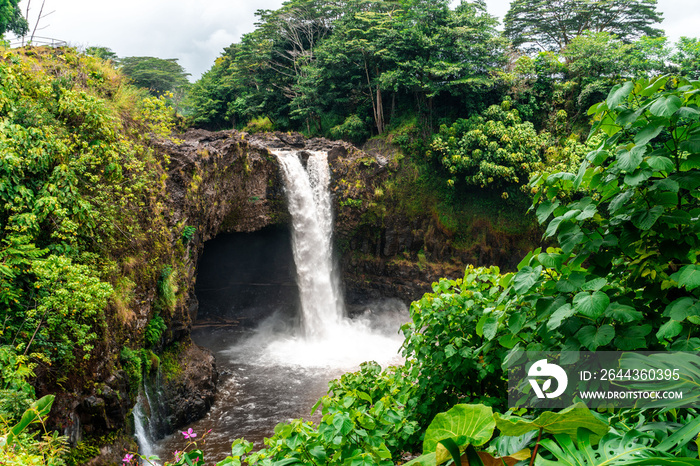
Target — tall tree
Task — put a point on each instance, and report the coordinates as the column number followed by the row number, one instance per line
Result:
column 293, row 33
column 11, row 18
column 436, row 50
column 158, row 75
column 553, row 24
column 357, row 54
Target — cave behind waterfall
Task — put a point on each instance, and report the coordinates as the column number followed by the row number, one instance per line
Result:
column 244, row 278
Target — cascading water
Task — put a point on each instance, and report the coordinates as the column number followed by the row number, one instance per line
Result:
column 141, row 427
column 312, row 229
column 278, row 371
column 149, row 414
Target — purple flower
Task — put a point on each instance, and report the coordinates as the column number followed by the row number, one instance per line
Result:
column 128, row 458
column 189, row 434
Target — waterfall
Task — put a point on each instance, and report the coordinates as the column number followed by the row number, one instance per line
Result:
column 150, row 422
column 275, row 372
column 141, row 427
column 309, row 202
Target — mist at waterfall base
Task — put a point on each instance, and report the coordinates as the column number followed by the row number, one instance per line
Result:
column 272, row 312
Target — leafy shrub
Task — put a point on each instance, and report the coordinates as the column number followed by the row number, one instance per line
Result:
column 188, row 233
column 132, row 364
column 70, row 310
column 447, row 350
column 167, row 289
column 363, row 422
column 496, row 149
column 20, row 447
column 353, row 129
column 16, row 393
column 634, row 230
column 259, row 125
column 631, row 230
column 76, row 177
column 154, row 331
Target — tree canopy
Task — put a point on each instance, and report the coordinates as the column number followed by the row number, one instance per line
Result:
column 104, row 53
column 158, row 75
column 313, row 64
column 552, row 25
column 11, row 18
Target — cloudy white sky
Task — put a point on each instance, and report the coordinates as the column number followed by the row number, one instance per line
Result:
column 196, row 31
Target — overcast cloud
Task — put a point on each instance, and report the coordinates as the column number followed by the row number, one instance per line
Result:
column 195, row 31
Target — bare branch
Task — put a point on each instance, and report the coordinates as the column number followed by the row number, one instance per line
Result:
column 41, row 15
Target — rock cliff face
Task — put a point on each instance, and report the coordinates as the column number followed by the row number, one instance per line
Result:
column 229, row 181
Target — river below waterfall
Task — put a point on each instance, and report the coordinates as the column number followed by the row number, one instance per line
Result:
column 269, row 376
column 272, row 312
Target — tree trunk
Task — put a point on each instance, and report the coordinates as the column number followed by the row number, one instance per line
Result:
column 380, row 111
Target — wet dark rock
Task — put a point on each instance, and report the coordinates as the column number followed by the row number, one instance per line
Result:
column 190, row 395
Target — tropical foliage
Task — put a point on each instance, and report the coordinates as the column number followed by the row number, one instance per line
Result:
column 75, row 177
column 497, row 149
column 82, row 195
column 311, row 65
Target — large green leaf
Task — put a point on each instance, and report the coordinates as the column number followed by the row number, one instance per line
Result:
column 551, row 260
column 622, row 313
column 685, row 365
column 470, row 424
column 645, row 219
column 665, row 106
column 648, row 133
column 688, row 180
column 660, row 163
column 571, row 283
column 545, row 209
column 633, row 338
column 592, row 337
column 569, row 237
column 619, row 93
column 669, row 330
column 681, row 437
column 688, row 276
column 34, row 413
column 525, row 278
column 561, row 314
column 619, row 201
column 612, row 450
column 630, row 160
column 591, row 305
column 638, row 177
column 683, row 308
column 566, row 422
